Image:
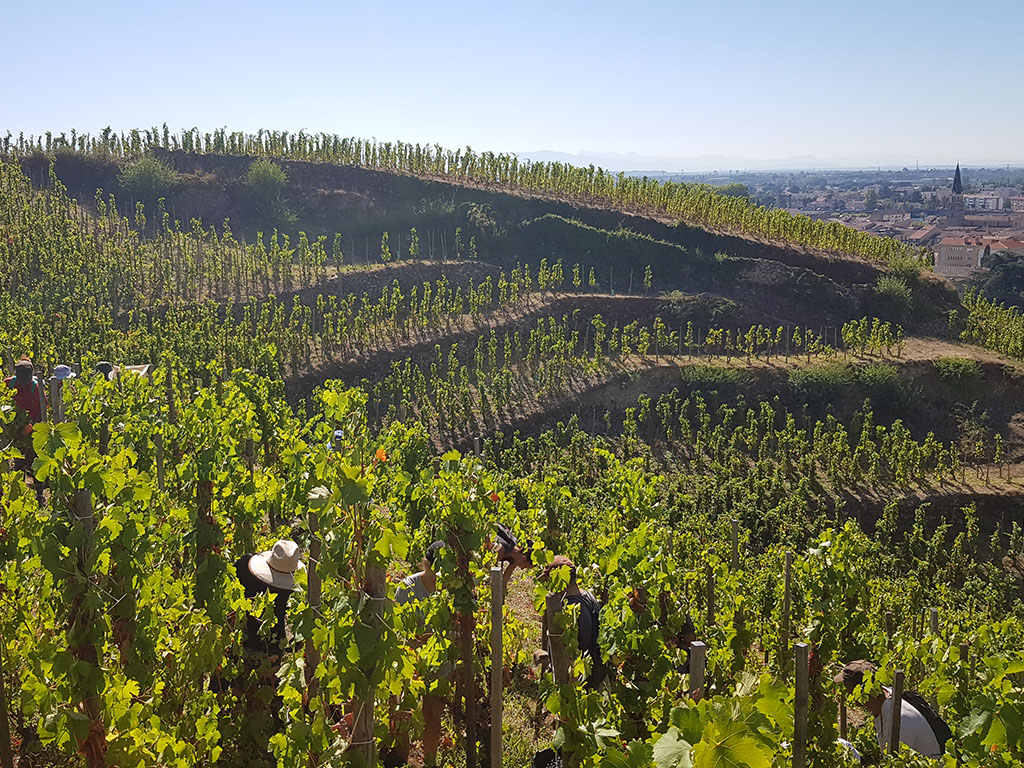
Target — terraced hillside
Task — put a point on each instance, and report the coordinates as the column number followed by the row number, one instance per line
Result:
column 634, row 386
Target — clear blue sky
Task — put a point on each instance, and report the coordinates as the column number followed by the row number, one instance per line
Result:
column 933, row 79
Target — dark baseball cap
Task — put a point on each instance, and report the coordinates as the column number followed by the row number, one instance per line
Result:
column 505, row 537
column 852, row 674
column 432, row 550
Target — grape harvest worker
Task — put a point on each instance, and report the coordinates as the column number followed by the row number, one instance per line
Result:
column 29, row 403
column 511, row 553
column 587, row 624
column 920, row 728
column 412, row 589
column 26, row 392
column 270, row 572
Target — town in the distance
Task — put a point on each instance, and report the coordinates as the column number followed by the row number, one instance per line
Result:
column 971, row 219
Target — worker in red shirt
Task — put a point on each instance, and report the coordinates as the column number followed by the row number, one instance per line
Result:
column 29, row 408
column 26, row 395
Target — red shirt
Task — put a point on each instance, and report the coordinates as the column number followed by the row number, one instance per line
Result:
column 26, row 397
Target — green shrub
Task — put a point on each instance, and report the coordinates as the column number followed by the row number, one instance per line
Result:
column 957, row 370
column 894, row 298
column 148, row 179
column 821, row 382
column 708, row 378
column 880, row 382
column 906, row 269
column 961, row 377
column 265, row 181
column 826, row 383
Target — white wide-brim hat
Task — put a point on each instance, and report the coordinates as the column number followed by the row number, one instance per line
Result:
column 63, row 372
column 276, row 567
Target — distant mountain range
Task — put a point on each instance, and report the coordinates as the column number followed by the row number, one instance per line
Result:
column 632, row 161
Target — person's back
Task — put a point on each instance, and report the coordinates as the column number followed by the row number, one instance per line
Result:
column 587, row 629
column 915, row 730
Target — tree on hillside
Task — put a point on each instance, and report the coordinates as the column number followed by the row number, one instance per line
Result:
column 733, row 190
column 870, row 199
column 265, row 182
column 1004, row 280
column 149, row 179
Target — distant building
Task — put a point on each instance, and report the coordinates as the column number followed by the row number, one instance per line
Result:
column 924, row 236
column 960, row 256
column 956, row 200
column 1017, row 204
column 890, row 217
column 983, row 203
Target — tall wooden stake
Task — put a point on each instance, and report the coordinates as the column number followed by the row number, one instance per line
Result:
column 735, row 544
column 800, row 705
column 787, row 585
column 6, row 753
column 711, row 595
column 81, row 621
column 312, row 660
column 897, row 712
column 158, row 447
column 698, row 663
column 41, row 389
column 497, row 666
column 842, row 713
column 57, row 399
column 363, row 744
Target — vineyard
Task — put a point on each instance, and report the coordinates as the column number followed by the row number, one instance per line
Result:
column 810, row 457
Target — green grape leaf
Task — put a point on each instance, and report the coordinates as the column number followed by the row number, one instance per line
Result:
column 729, row 746
column 672, row 751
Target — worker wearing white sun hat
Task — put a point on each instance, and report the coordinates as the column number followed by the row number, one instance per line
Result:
column 271, row 571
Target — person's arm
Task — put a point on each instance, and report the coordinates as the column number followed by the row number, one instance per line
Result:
column 506, row 576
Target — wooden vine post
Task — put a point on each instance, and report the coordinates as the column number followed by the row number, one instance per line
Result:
column 497, row 666
column 800, row 705
column 698, row 663
column 172, row 409
column 842, row 713
column 787, row 586
column 312, row 654
column 465, row 628
column 735, row 544
column 6, row 754
column 897, row 712
column 363, row 744
column 207, row 531
column 710, row 572
column 57, row 399
column 83, row 621
column 559, row 659
column 158, row 449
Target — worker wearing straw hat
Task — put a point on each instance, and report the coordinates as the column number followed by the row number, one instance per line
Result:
column 273, row 572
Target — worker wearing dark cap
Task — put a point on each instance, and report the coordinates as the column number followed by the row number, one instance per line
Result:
column 917, row 729
column 511, row 553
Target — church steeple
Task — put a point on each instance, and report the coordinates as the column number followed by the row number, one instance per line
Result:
column 956, row 200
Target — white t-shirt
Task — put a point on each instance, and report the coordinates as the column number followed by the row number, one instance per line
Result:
column 915, row 731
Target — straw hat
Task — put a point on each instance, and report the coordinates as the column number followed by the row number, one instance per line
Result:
column 276, row 567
